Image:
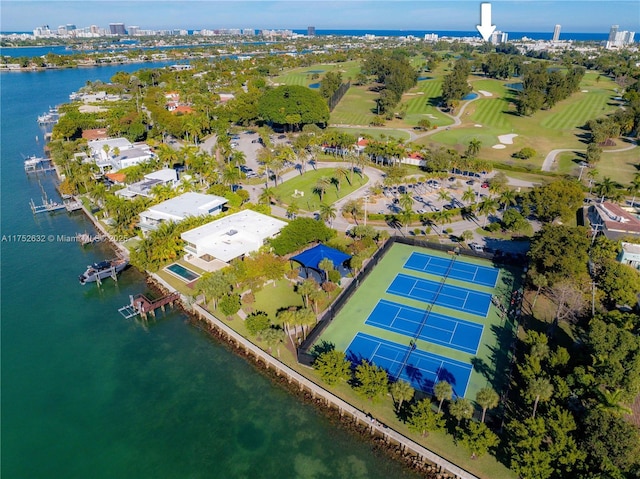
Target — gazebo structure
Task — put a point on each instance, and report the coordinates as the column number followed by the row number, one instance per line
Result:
column 311, row 258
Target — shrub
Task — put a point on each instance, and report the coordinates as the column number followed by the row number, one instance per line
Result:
column 300, row 232
column 328, row 287
column 525, row 153
column 334, row 276
column 229, row 305
column 257, row 322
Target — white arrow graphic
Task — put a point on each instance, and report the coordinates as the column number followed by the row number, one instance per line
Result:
column 485, row 28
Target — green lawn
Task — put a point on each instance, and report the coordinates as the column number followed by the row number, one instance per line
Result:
column 306, row 183
column 355, row 108
column 303, row 76
column 270, row 299
column 420, row 103
column 619, row 166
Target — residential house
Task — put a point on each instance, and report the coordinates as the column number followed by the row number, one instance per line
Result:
column 114, row 154
column 164, row 177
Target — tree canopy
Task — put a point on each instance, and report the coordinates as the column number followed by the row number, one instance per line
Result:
column 293, row 105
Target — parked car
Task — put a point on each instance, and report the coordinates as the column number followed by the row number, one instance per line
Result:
column 476, row 247
column 485, row 185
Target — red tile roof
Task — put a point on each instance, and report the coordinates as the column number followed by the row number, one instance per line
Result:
column 95, row 134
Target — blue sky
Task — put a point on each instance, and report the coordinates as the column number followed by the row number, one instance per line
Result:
column 508, row 15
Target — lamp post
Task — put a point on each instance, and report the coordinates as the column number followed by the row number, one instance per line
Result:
column 582, row 165
column 366, row 200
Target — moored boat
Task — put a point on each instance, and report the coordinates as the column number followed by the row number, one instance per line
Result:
column 99, row 271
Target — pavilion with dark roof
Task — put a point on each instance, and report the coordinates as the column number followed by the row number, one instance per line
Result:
column 311, row 258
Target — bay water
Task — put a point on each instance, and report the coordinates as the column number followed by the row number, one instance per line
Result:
column 87, row 393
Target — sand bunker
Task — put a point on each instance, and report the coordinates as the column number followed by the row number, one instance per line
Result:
column 485, row 93
column 477, row 125
column 585, row 91
column 499, row 146
column 507, row 139
column 433, row 117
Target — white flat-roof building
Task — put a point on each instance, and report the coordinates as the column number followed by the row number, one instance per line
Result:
column 128, row 154
column 230, row 237
column 178, row 208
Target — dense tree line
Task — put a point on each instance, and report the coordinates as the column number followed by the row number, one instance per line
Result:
column 293, row 106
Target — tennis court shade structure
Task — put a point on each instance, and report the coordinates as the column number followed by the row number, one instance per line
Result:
column 438, row 329
column 446, row 295
column 312, row 257
column 422, row 370
column 461, row 270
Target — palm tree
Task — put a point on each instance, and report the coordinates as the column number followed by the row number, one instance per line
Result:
column 305, row 288
column 634, row 188
column 612, row 401
column 321, row 186
column 326, row 265
column 406, row 202
column 327, row 213
column 605, row 188
column 461, row 409
column 466, row 236
column 401, row 391
column 469, row 195
column 507, row 198
column 488, row 207
column 592, row 174
column 292, row 210
column 474, row 148
column 268, row 196
column 442, row 390
column 540, row 389
column 487, row 398
column 405, row 219
column 353, row 208
column 444, row 195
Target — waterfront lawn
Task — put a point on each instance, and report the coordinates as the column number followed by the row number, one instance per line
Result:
column 306, row 183
column 273, row 297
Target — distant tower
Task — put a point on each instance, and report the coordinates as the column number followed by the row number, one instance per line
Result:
column 117, row 29
column 311, row 31
column 556, row 33
column 613, row 32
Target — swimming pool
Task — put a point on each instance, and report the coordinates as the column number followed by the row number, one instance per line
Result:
column 181, row 272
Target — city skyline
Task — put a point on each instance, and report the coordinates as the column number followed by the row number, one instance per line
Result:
column 522, row 15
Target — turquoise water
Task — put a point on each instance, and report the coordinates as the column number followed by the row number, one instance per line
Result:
column 89, row 394
column 514, row 86
column 314, row 85
column 183, row 272
column 470, row 96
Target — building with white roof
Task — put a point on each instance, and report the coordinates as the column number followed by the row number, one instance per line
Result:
column 230, row 237
column 114, row 154
column 178, row 208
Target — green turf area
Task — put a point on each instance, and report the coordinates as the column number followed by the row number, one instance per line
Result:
column 620, row 166
column 306, row 183
column 272, row 298
column 491, row 362
column 304, row 75
column 355, row 108
column 420, row 103
column 544, row 131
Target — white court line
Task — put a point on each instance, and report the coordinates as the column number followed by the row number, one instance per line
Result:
column 453, row 333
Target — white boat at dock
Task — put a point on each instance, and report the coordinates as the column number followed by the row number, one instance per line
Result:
column 50, row 117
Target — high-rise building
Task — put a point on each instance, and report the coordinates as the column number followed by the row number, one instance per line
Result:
column 556, row 33
column 498, row 37
column 613, row 32
column 117, row 29
column 311, row 31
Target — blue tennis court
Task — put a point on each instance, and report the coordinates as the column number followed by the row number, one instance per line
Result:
column 449, row 296
column 438, row 329
column 422, row 369
column 471, row 273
